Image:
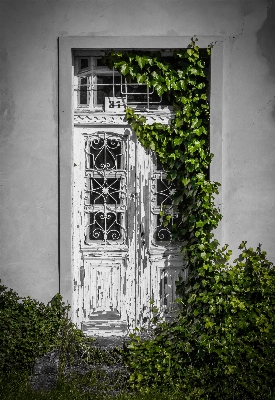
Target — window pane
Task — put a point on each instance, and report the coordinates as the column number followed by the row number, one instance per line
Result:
column 83, row 95
column 105, row 227
column 163, row 234
column 105, row 154
column 105, row 190
column 84, row 63
column 164, row 192
column 105, row 87
column 139, row 94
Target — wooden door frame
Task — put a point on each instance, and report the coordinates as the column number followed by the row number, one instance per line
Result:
column 65, row 151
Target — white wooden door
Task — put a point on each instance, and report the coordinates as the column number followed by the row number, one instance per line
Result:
column 122, row 255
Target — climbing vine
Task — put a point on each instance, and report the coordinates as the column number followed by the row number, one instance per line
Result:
column 183, row 145
column 222, row 343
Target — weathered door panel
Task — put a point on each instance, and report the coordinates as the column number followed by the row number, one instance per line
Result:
column 105, row 293
column 123, row 256
column 104, row 222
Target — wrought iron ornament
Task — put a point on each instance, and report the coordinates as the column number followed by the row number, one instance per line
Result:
column 106, row 187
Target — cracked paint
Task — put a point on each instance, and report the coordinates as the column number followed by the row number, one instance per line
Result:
column 118, row 264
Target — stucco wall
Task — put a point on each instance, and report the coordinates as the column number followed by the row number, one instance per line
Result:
column 29, row 117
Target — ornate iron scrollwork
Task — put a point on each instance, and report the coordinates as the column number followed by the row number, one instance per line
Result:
column 105, row 154
column 163, row 234
column 162, row 199
column 105, row 226
column 105, row 190
column 106, row 187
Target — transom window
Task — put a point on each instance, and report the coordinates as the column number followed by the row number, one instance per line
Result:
column 98, row 88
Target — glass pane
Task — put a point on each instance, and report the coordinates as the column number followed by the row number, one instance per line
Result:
column 83, row 95
column 105, row 154
column 105, row 190
column 164, row 192
column 163, row 234
column 84, row 63
column 138, row 94
column 105, row 227
column 105, row 87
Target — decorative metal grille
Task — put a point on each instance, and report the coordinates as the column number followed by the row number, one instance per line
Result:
column 105, row 190
column 106, row 187
column 105, row 154
column 164, row 192
column 105, row 226
column 162, row 198
column 163, row 234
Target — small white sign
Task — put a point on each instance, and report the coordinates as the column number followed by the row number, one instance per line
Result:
column 115, row 104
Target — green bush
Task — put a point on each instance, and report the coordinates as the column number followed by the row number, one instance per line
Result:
column 91, row 386
column 29, row 329
column 222, row 346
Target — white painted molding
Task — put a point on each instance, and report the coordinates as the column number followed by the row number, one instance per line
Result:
column 119, row 119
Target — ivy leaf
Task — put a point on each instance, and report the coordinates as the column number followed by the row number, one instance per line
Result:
column 142, row 61
column 177, row 199
column 200, row 224
column 124, row 69
column 158, row 87
column 178, row 141
column 185, row 181
column 190, row 52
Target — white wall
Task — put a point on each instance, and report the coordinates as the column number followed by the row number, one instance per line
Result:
column 29, row 117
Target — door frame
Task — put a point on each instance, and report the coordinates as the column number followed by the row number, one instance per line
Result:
column 66, row 46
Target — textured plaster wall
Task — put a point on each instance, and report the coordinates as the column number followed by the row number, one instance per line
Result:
column 249, row 130
column 29, row 117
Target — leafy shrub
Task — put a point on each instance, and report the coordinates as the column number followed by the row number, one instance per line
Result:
column 94, row 385
column 29, row 329
column 222, row 346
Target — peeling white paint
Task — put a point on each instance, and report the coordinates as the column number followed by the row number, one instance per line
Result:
column 121, row 276
column 118, row 268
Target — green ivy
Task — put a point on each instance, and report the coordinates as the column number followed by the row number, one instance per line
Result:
column 222, row 344
column 183, row 145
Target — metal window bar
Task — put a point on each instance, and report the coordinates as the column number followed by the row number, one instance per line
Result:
column 92, row 88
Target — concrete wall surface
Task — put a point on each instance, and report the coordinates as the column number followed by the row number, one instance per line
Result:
column 29, row 117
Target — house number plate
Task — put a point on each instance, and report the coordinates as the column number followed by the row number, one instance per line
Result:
column 115, row 104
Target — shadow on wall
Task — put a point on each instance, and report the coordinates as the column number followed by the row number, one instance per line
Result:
column 266, row 39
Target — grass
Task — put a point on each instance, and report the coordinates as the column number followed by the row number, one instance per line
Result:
column 93, row 385
column 96, row 383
